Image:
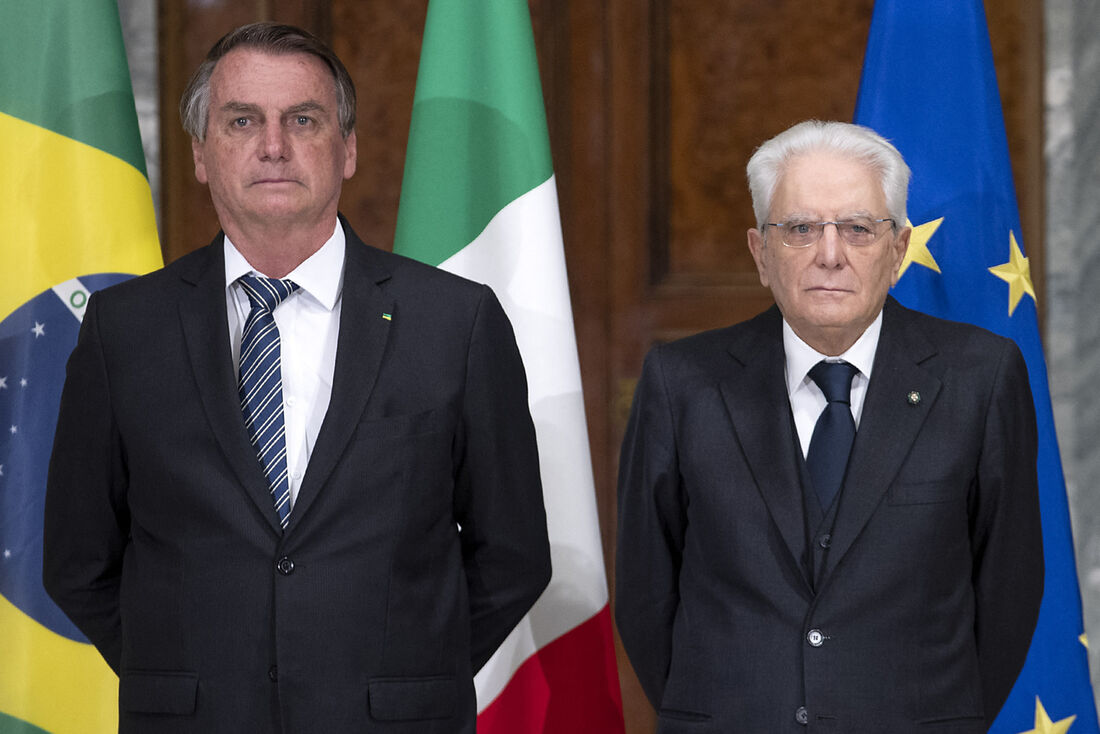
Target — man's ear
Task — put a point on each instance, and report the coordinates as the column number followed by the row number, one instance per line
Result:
column 350, row 155
column 900, row 246
column 756, row 247
column 200, row 163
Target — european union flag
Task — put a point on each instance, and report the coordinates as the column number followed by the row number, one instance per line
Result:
column 930, row 87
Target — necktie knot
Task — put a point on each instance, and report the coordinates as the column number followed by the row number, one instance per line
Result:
column 835, row 380
column 266, row 293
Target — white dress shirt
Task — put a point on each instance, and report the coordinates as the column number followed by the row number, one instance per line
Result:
column 309, row 323
column 807, row 400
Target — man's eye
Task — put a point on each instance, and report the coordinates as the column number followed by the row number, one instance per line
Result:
column 240, row 122
column 799, row 228
column 302, row 120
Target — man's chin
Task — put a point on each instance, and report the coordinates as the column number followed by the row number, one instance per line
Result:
column 833, row 312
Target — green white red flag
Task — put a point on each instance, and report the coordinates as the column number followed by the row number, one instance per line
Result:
column 479, row 199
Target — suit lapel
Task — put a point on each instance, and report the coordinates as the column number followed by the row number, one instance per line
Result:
column 206, row 333
column 359, row 350
column 758, row 405
column 888, row 426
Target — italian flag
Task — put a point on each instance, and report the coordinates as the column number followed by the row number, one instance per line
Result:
column 479, row 199
column 77, row 214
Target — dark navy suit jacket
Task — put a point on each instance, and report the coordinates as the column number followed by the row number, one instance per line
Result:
column 417, row 541
column 924, row 608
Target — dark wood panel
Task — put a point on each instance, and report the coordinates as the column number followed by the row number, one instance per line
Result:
column 723, row 76
column 380, row 45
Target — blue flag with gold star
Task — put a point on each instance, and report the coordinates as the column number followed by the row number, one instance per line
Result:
column 930, row 87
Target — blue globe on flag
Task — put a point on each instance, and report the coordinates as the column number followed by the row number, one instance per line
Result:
column 35, row 342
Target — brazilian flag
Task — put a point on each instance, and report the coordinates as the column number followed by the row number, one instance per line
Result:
column 76, row 214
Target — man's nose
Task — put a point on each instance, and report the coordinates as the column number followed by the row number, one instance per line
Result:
column 274, row 143
column 831, row 249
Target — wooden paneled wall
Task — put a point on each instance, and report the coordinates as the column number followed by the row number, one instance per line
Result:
column 654, row 107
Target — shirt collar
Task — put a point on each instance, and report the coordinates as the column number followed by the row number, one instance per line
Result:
column 321, row 274
column 801, row 357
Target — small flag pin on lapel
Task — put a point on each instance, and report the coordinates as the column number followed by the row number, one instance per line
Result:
column 387, row 316
column 914, row 397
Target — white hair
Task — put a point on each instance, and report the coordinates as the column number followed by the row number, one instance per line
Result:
column 769, row 162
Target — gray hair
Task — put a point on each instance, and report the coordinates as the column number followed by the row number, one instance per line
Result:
column 272, row 38
column 769, row 162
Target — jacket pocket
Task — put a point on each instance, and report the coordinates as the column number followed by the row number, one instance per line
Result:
column 678, row 721
column 925, row 493
column 412, row 699
column 681, row 715
column 962, row 724
column 407, row 425
column 158, row 692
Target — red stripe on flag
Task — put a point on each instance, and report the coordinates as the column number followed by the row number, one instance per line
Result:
column 570, row 686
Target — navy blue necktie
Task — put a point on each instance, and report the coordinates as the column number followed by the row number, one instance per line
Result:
column 831, row 443
column 261, row 384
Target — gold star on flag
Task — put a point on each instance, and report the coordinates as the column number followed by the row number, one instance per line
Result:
column 918, row 251
column 1043, row 724
column 1084, row 640
column 1017, row 273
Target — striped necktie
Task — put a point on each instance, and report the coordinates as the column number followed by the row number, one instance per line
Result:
column 827, row 458
column 261, row 384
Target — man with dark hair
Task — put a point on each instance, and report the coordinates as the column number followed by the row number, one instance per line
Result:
column 828, row 514
column 295, row 484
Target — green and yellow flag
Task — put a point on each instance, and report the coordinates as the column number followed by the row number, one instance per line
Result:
column 76, row 213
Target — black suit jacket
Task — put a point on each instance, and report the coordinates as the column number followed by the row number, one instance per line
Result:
column 417, row 541
column 925, row 606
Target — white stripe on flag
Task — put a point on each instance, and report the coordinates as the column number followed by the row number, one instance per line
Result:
column 74, row 295
column 520, row 256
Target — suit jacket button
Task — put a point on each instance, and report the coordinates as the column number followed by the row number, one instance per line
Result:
column 815, row 638
column 285, row 566
column 802, row 716
column 824, row 540
column 273, row 673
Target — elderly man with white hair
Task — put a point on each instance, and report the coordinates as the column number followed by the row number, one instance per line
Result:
column 829, row 513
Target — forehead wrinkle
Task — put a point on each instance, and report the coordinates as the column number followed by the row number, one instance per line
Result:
column 857, row 214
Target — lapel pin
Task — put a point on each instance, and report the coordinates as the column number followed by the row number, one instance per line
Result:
column 914, row 397
column 387, row 316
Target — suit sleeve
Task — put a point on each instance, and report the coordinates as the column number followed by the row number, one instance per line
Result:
column 499, row 507
column 1007, row 542
column 652, row 524
column 86, row 519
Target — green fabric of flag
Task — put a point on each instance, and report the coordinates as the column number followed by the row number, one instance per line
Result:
column 478, row 138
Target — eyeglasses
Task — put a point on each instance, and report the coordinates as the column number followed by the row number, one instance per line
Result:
column 858, row 232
